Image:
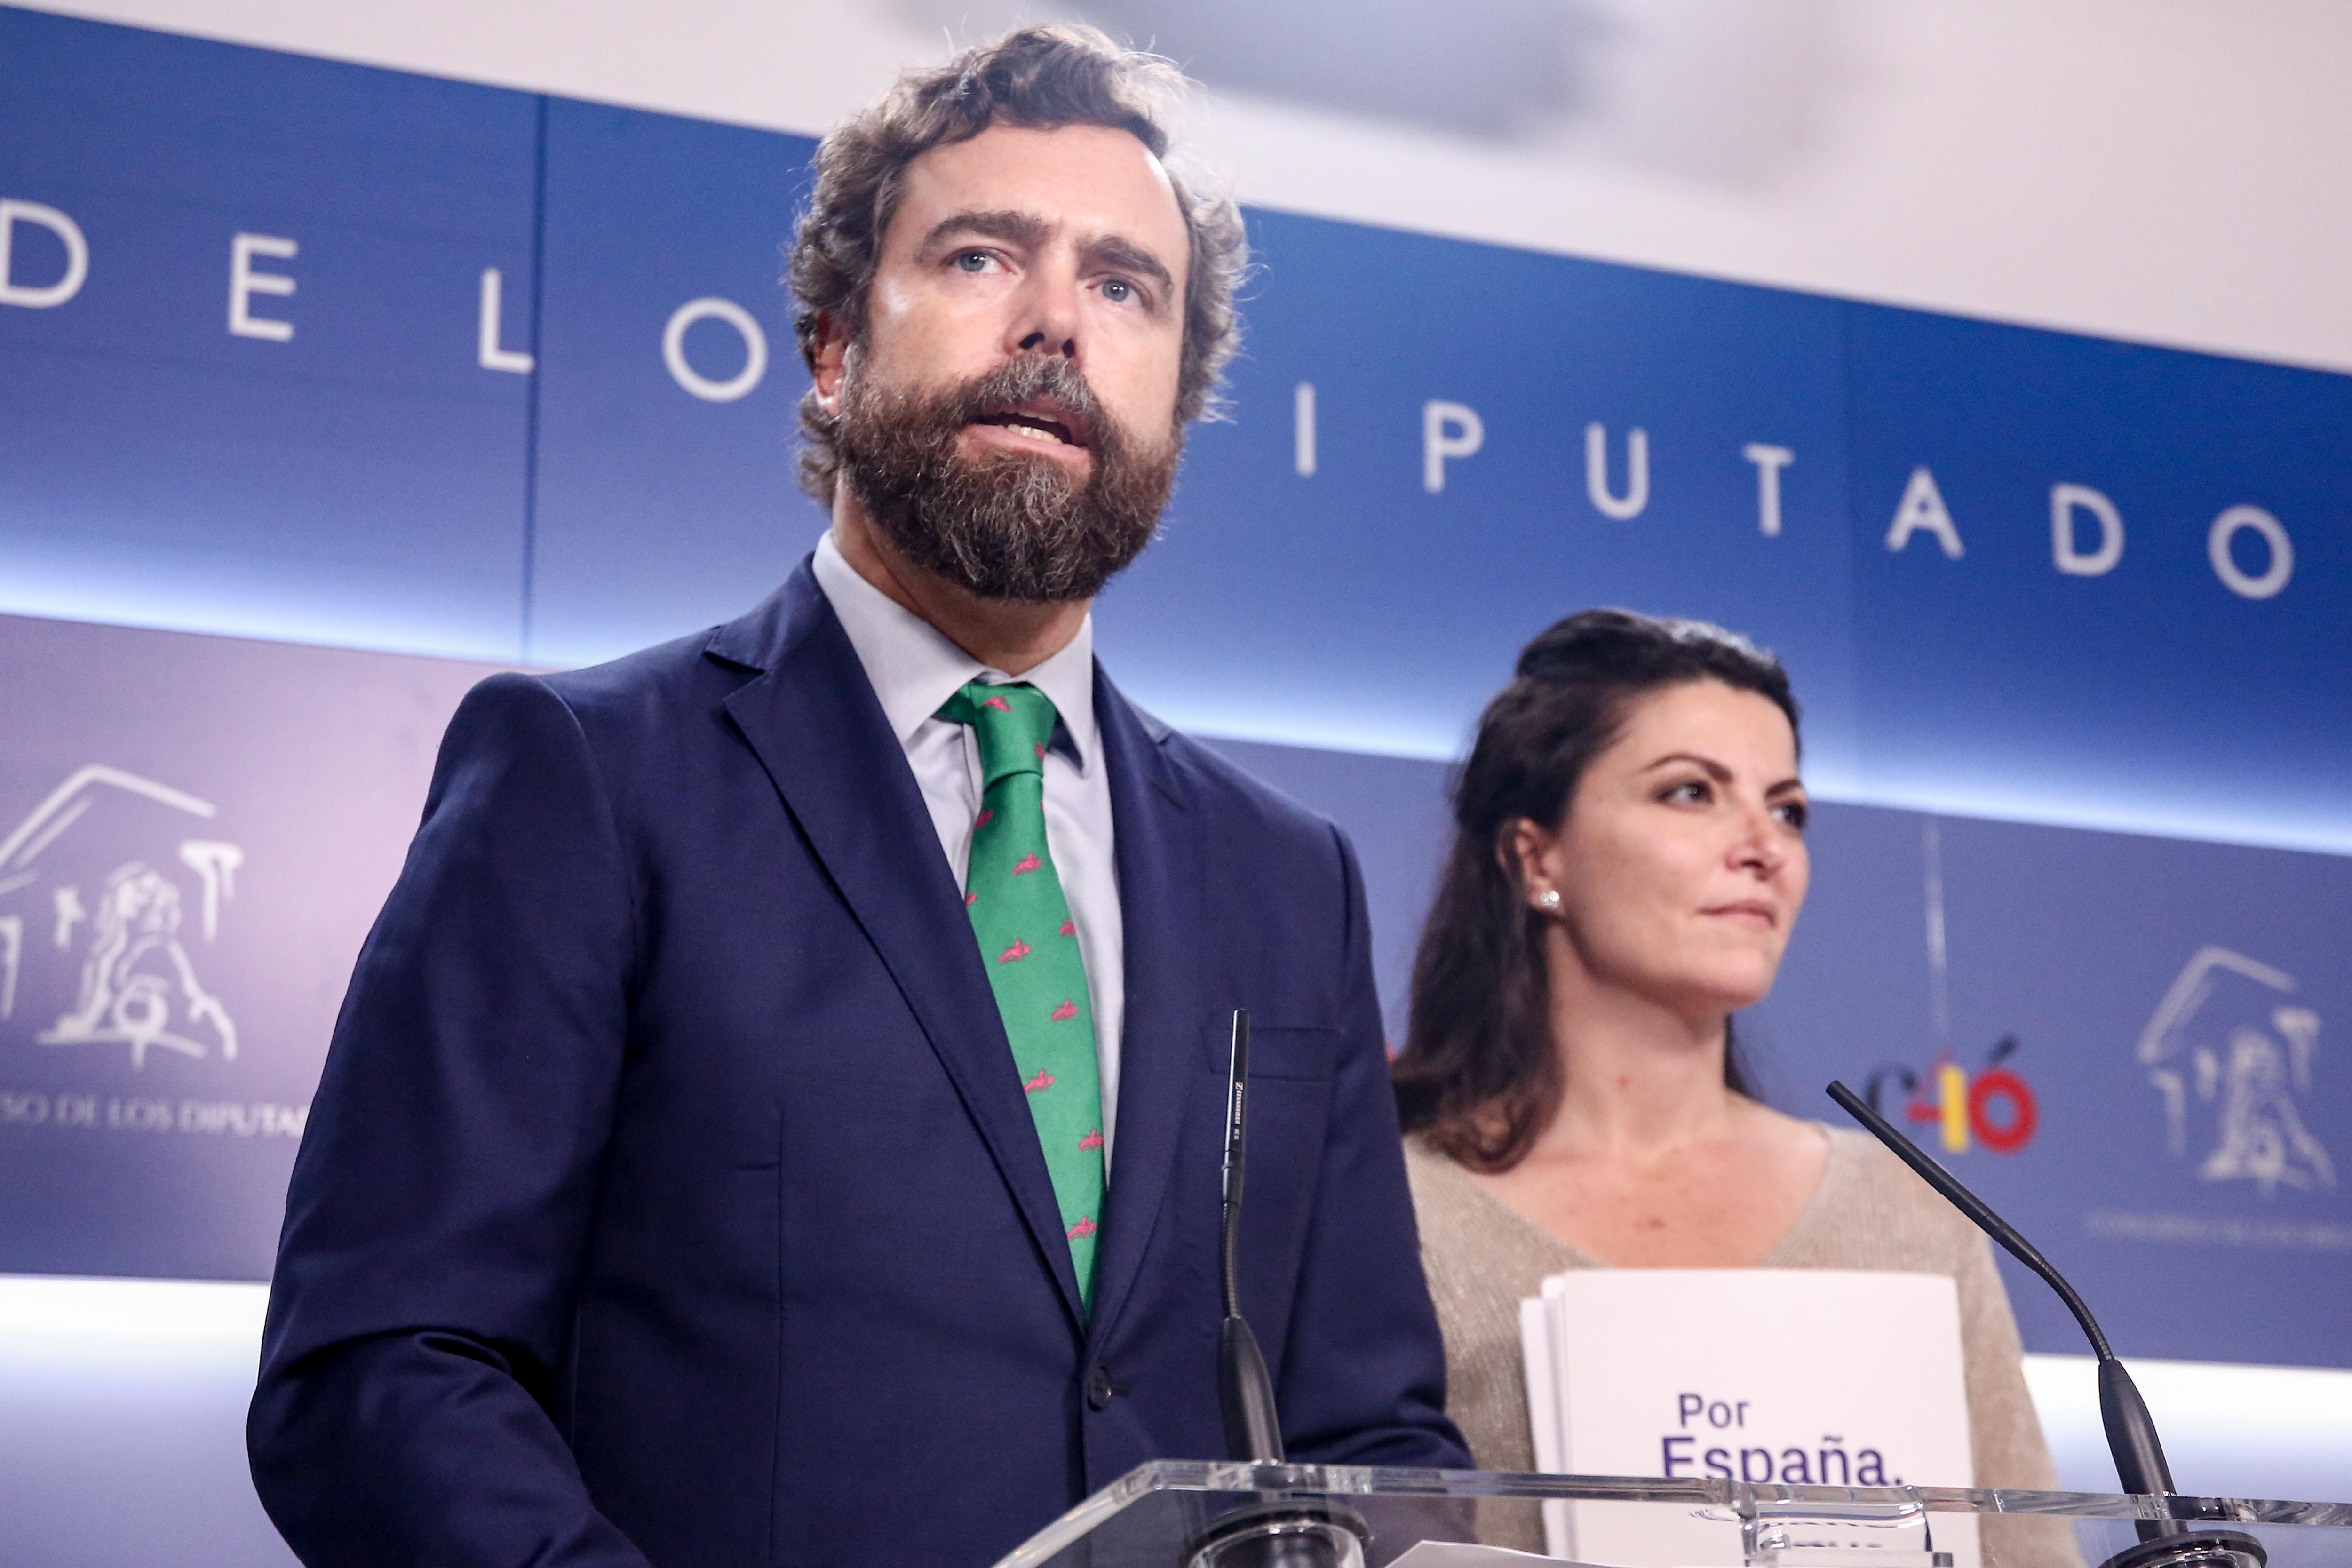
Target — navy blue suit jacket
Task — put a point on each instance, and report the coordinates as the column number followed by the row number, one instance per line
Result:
column 671, row 1193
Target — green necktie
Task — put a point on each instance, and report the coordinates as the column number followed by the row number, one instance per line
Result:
column 1029, row 946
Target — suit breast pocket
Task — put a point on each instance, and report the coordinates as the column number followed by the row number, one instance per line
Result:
column 1292, row 1054
column 1291, row 1085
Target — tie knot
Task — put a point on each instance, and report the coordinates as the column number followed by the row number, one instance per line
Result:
column 1013, row 724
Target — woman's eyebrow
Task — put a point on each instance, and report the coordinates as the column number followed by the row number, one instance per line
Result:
column 1712, row 769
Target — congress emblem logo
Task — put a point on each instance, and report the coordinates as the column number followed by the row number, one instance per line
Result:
column 112, row 888
column 2228, row 1051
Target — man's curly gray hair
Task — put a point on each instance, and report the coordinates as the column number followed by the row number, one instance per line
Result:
column 1039, row 77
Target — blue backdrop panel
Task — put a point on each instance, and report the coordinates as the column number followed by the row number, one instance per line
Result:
column 2180, row 1010
column 2149, row 690
column 360, row 481
column 660, row 511
column 1358, row 607
column 195, row 834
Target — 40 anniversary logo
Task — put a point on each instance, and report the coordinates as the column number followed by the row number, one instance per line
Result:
column 1994, row 1106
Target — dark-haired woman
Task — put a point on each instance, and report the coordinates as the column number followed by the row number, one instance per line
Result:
column 1629, row 858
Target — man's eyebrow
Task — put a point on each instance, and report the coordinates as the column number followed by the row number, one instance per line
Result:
column 1118, row 251
column 998, row 223
column 1028, row 229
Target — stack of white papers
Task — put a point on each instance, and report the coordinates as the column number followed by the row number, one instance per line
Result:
column 1804, row 1377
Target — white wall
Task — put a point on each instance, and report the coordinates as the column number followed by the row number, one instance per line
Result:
column 2170, row 171
column 2228, row 1431
column 123, row 1425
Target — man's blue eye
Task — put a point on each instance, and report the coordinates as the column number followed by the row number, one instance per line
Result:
column 1118, row 290
column 972, row 260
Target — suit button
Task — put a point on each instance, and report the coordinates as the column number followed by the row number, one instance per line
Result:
column 1099, row 1393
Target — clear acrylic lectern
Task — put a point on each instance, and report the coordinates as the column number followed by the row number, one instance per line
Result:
column 1178, row 1514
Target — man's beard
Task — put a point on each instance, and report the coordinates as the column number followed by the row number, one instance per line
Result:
column 1003, row 525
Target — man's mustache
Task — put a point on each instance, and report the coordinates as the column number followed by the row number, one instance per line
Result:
column 1031, row 380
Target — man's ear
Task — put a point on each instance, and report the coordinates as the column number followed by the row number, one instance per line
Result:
column 828, row 362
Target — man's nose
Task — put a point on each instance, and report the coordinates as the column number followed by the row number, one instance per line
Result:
column 1045, row 319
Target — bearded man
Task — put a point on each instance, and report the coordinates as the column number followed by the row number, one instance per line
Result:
column 777, row 1117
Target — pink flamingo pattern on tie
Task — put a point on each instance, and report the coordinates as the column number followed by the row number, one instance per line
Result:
column 1035, row 964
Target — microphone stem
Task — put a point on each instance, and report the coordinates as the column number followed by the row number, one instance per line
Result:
column 2141, row 1465
column 1237, row 1163
column 1226, row 1262
column 1244, row 1388
column 1969, row 1204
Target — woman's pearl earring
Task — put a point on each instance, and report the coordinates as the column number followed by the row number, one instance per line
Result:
column 1548, row 901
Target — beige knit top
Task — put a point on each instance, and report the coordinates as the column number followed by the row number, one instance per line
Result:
column 1869, row 1213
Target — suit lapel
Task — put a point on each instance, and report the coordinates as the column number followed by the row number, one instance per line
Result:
column 813, row 720
column 1162, row 1045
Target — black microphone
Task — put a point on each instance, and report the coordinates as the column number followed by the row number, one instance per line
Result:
column 1273, row 1533
column 2131, row 1432
column 1245, row 1391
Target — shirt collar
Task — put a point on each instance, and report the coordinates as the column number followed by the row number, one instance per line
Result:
column 914, row 667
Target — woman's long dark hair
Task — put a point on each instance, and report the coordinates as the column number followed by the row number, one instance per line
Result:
column 1479, row 1077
